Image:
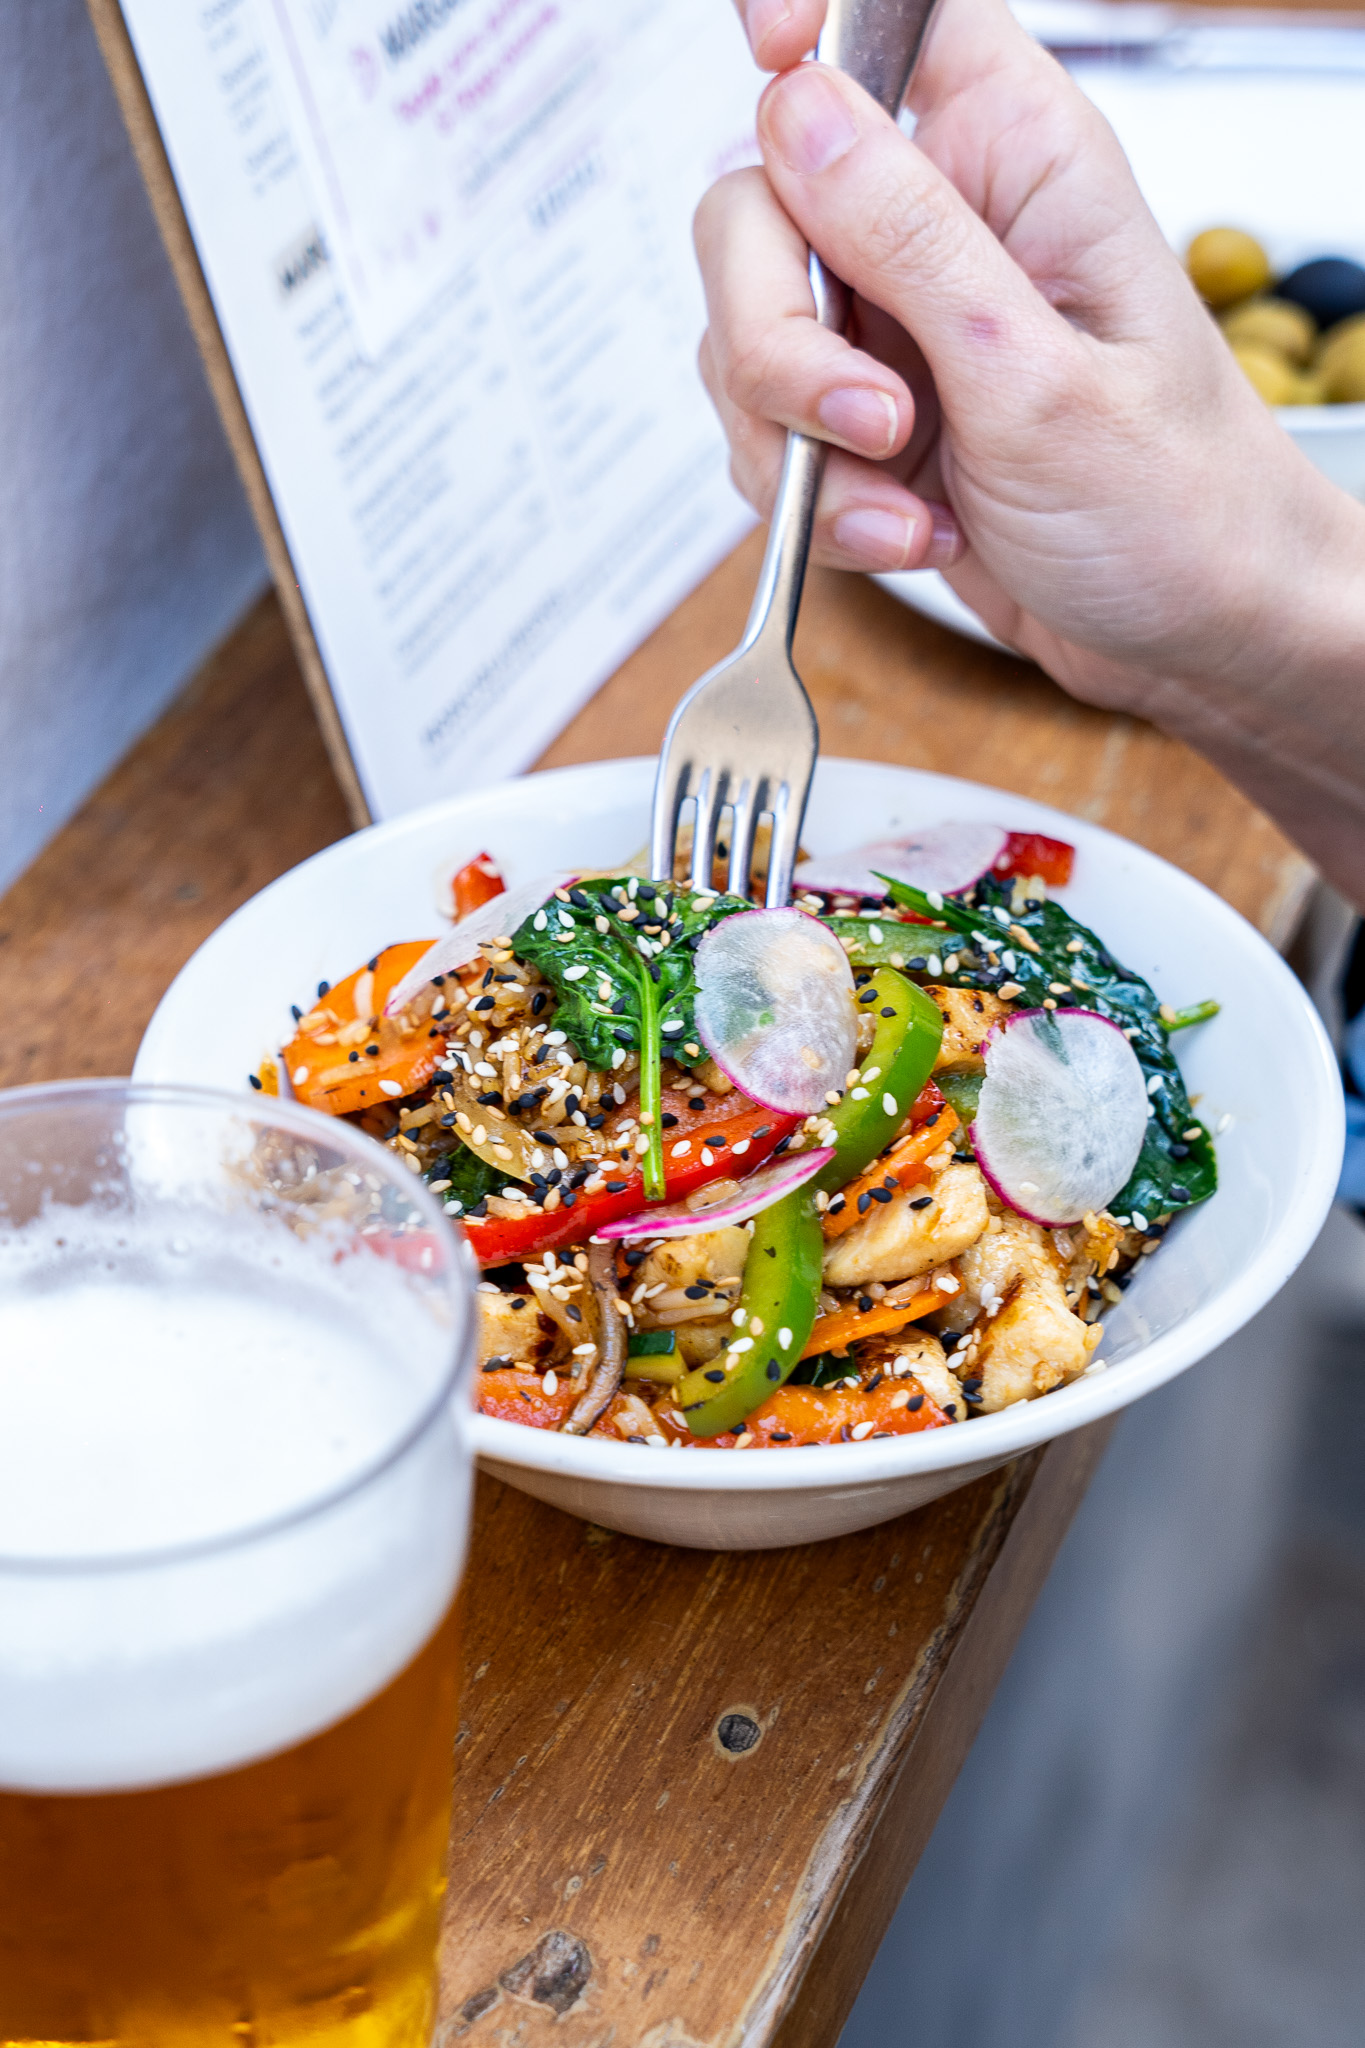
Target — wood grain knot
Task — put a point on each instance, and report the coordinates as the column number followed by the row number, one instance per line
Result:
column 554, row 1973
column 737, row 1732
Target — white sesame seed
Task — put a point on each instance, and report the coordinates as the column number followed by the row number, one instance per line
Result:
column 539, row 921
column 485, row 1071
column 784, row 1338
column 579, row 973
column 738, row 1317
column 874, row 932
column 1009, row 960
column 861, row 1430
column 561, row 1157
column 585, row 1350
column 555, row 1037
column 859, row 1094
column 1139, row 1220
column 901, row 1396
column 708, row 1157
column 741, row 1343
column 660, row 1443
column 390, row 1088
column 299, row 1076
column 738, row 1151
column 1224, row 1123
column 1156, row 1084
column 933, row 898
column 744, row 1439
column 889, row 1103
column 550, row 1383
column 618, row 1058
column 681, row 1149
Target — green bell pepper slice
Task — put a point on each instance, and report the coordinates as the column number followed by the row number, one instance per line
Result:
column 782, row 1272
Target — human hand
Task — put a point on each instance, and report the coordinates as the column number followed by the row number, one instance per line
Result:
column 1122, row 504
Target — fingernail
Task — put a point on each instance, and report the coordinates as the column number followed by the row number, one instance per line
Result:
column 947, row 542
column 761, row 17
column 868, row 419
column 810, row 126
column 882, row 540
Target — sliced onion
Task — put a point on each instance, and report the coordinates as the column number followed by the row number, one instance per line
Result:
column 496, row 919
column 749, row 1198
column 945, row 858
column 775, row 1007
column 1062, row 1115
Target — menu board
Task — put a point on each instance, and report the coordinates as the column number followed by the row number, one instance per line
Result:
column 448, row 246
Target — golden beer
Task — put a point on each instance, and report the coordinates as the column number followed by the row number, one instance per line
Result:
column 296, row 1899
column 235, row 1476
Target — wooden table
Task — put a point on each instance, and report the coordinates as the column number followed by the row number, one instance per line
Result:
column 618, row 1870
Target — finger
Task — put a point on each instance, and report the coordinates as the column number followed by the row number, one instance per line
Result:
column 781, row 31
column 864, row 518
column 768, row 351
column 894, row 228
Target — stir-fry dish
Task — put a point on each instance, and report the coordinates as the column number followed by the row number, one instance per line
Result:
column 750, row 1179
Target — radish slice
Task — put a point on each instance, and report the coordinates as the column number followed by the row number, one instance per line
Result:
column 945, row 858
column 1062, row 1115
column 775, row 1007
column 496, row 919
column 750, row 1198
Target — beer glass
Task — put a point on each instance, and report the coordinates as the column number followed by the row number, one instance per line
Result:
column 235, row 1475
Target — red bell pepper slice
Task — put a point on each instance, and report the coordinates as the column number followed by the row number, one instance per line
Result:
column 477, row 883
column 501, row 1240
column 1033, row 853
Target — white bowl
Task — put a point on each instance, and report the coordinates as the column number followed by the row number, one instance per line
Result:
column 1264, row 1064
column 1333, row 439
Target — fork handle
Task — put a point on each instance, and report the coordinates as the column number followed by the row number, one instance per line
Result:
column 876, row 42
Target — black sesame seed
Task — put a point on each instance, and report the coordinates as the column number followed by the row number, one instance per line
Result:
column 595, row 1123
column 323, row 987
column 696, row 1102
column 623, row 1035
column 845, row 1434
column 545, row 1137
column 488, row 976
column 918, row 964
column 296, row 1013
column 496, row 1363
column 372, row 964
column 869, row 995
column 489, row 1096
column 915, row 1403
column 353, row 1055
column 866, row 1303
column 889, row 1011
column 569, row 1200
column 1180, row 1151
column 636, row 1255
column 864, row 1202
column 922, row 1202
column 882, row 1195
column 255, row 1080
column 874, row 1383
column 485, row 1002
column 667, row 1121
column 780, row 1436
column 571, row 1309
column 696, row 1292
column 617, row 1187
column 577, row 896
column 780, row 1147
column 538, row 1002
column 715, row 1376
column 774, row 1369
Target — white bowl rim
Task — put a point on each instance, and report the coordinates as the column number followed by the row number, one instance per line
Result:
column 1320, row 419
column 993, row 1438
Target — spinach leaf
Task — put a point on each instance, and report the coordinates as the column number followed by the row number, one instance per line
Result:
column 1176, row 1166
column 470, row 1177
column 618, row 953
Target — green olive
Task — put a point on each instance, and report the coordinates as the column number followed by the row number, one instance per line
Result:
column 1226, row 265
column 1275, row 379
column 1341, row 362
column 1273, row 324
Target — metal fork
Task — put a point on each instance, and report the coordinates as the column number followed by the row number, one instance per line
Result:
column 745, row 737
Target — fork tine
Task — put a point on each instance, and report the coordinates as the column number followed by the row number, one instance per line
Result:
column 671, row 791
column 710, row 799
column 783, row 847
column 743, row 825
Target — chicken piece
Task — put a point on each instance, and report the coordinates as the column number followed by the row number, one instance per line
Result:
column 968, row 1015
column 687, row 1261
column 511, row 1326
column 904, row 1352
column 895, row 1240
column 1025, row 1339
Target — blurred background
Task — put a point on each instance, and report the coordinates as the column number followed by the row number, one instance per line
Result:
column 1159, row 1838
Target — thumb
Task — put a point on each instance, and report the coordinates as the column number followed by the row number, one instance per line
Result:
column 892, row 226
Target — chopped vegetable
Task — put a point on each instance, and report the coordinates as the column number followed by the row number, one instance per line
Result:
column 501, row 1240
column 475, row 884
column 1062, row 1114
column 348, row 1056
column 1032, row 853
column 1176, row 1166
column 619, row 954
column 907, row 1303
column 495, row 918
column 756, row 1192
column 901, row 1167
column 942, row 857
column 775, row 1007
column 898, row 1064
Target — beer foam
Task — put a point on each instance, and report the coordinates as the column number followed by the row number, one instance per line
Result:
column 148, row 1416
